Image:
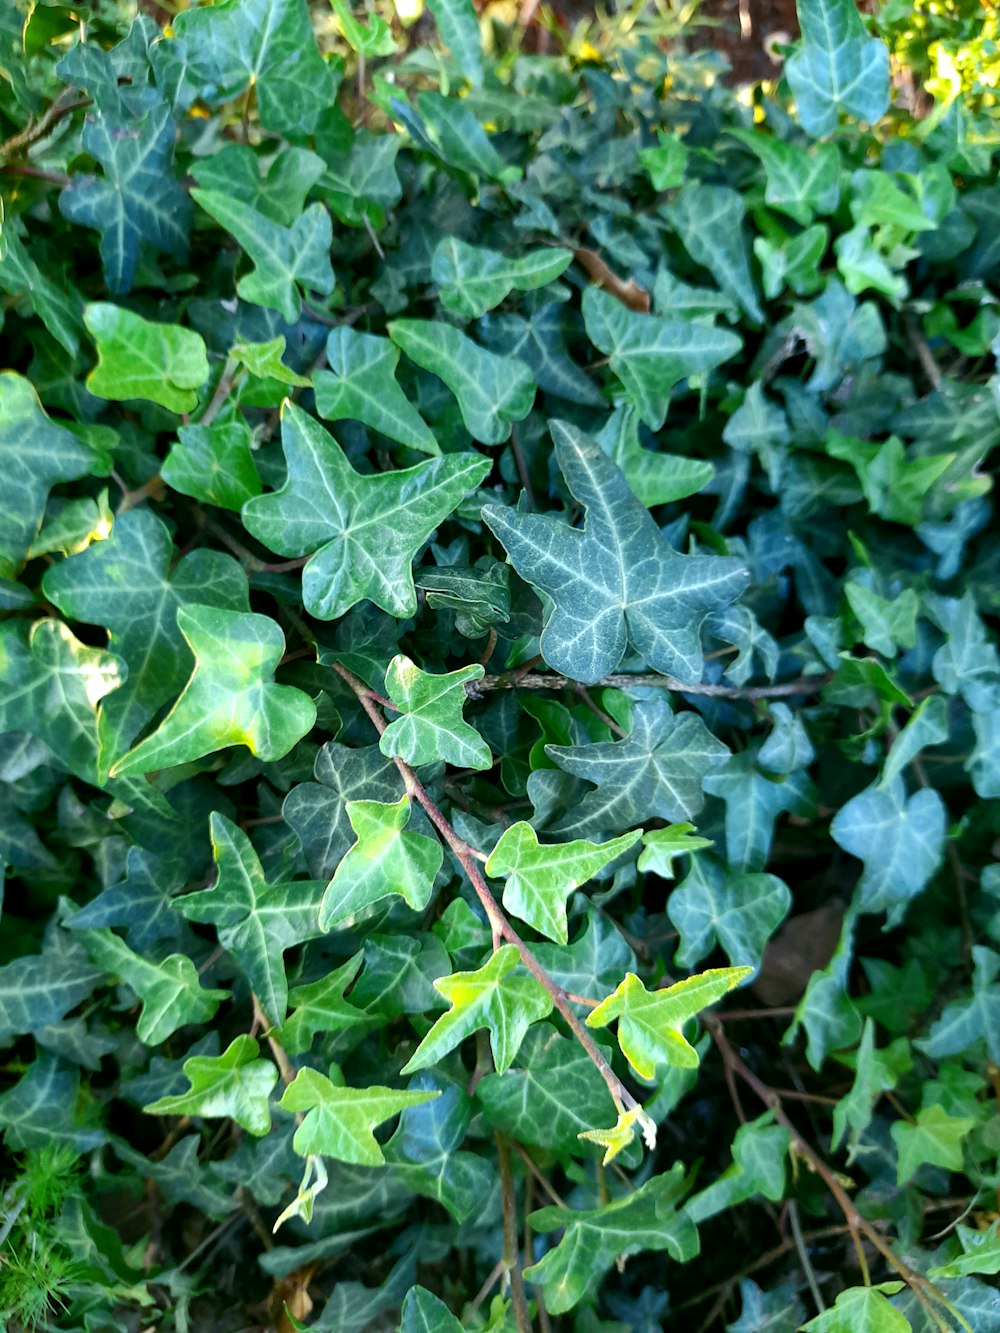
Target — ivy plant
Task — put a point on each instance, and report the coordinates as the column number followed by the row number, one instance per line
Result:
column 498, row 677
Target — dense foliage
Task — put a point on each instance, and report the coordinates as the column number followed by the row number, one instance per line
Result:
column 499, row 696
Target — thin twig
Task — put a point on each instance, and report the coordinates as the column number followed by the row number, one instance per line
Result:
column 804, row 1260
column 499, row 924
column 549, row 680
column 18, row 142
column 522, row 467
column 222, row 391
column 511, row 1250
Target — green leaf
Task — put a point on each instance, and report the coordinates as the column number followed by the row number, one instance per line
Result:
column 900, row 839
column 934, row 1138
column 214, row 464
column 754, row 800
column 861, row 1310
column 339, row 1121
column 170, row 991
column 593, row 1238
column 472, row 279
column 361, row 386
column 364, row 530
column 43, row 1109
column 37, row 989
column 424, row 1313
column 928, row 725
column 651, row 355
column 837, row 68
column 876, row 1071
column 286, row 260
column 458, row 24
column 726, row 905
column 656, row 772
column 667, row 162
column 279, row 192
column 254, row 920
column 371, row 39
column 982, row 1255
column 320, row 1006
column 58, row 305
column 540, row 878
column 886, row 626
column 264, row 360
column 230, row 699
column 650, row 1025
column 972, row 1018
column 760, row 1153
column 618, row 582
column 800, row 182
column 234, row 1086
column 709, row 221
column 36, row 454
column 492, row 391
column 653, row 478
column 265, row 44
column 662, row 846
column 549, row 1096
column 126, row 584
column 387, row 859
column 137, row 358
column 137, row 203
column 496, row 998
column 425, row 1151
column 430, row 725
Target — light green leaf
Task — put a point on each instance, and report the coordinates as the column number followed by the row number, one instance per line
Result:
column 35, row 454
column 496, row 998
column 361, row 386
column 492, row 391
column 540, row 878
column 234, row 1086
column 650, row 1025
column 722, row 904
column 593, row 1238
column 473, row 279
column 222, row 50
column 826, row 1010
column 862, row 1310
column 254, row 920
column 665, row 164
column 617, row 582
column 837, row 68
column 431, row 726
column 285, row 259
column 900, row 839
column 424, row 1313
column 138, row 358
column 126, row 584
column 214, row 464
column 651, row 355
column 458, row 25
column 886, row 625
column 170, row 991
column 982, row 1255
column 320, row 1006
column 138, row 202
column 364, row 529
column 800, row 182
column 934, row 1139
column 654, row 478
column 264, row 361
column 662, row 846
column 387, row 859
column 709, row 221
column 369, row 39
column 231, row 698
column 339, row 1121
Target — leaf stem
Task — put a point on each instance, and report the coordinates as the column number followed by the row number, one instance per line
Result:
column 511, row 1253
column 33, row 133
column 548, row 680
column 499, row 924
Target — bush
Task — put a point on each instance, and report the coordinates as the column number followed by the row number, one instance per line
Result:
column 499, row 687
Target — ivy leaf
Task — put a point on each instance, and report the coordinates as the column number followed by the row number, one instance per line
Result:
column 36, row 454
column 726, row 905
column 431, row 726
column 656, row 772
column 368, row 39
column 214, row 464
column 138, row 202
column 753, row 803
column 43, row 1109
column 593, row 1238
column 279, row 192
column 549, row 1096
column 170, row 991
column 125, row 584
column 285, row 259
column 472, row 279
column 876, row 1071
column 760, row 1155
column 541, row 878
column 58, row 305
column 837, row 68
column 492, row 391
column 317, row 811
column 493, row 998
column 653, row 478
column 651, row 355
column 339, row 1121
column 37, row 989
column 361, row 386
column 266, row 44
column 254, row 920
column 618, row 582
column 593, row 962
column 264, row 361
column 386, row 859
column 138, row 358
column 234, row 1086
column 540, row 342
column 320, row 1006
column 900, row 839
column 662, row 846
column 973, row 1018
column 862, row 1310
column 709, row 221
column 650, row 1025
column 367, row 528
column 231, row 698
column 424, row 1313
column 458, row 24
column 800, row 182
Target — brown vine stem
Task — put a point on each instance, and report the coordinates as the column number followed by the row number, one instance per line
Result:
column 548, row 680
column 858, row 1226
column 19, row 142
column 499, row 924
